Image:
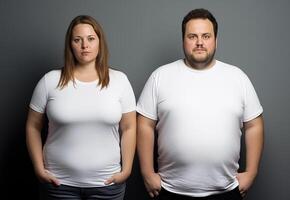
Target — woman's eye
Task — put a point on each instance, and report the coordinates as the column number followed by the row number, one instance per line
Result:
column 76, row 40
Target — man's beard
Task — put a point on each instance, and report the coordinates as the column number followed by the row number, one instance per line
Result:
column 199, row 63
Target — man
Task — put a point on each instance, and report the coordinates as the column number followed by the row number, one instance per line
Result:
column 198, row 106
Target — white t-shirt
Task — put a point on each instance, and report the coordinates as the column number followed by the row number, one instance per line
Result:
column 199, row 116
column 83, row 144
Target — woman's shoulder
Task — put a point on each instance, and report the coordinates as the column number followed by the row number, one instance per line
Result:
column 117, row 74
column 53, row 73
column 52, row 76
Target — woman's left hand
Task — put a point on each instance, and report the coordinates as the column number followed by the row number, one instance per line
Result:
column 117, row 178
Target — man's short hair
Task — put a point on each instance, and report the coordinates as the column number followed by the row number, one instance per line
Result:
column 199, row 13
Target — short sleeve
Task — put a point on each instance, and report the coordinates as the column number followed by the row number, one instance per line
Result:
column 39, row 97
column 252, row 106
column 128, row 101
column 147, row 103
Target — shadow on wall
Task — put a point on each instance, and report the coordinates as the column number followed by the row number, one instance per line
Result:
column 17, row 84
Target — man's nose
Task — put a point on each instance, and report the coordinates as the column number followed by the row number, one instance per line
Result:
column 199, row 41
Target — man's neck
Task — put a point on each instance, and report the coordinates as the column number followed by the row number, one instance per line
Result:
column 200, row 66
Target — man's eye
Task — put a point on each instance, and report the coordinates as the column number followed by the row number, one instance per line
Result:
column 206, row 37
column 191, row 37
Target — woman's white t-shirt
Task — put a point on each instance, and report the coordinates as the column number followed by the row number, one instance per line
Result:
column 83, row 143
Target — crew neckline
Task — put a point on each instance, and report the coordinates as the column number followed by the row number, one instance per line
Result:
column 202, row 71
column 86, row 82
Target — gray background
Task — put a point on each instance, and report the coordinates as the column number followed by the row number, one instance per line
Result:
column 143, row 35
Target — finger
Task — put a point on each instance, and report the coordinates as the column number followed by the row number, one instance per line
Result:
column 156, row 193
column 109, row 181
column 54, row 181
column 243, row 193
column 151, row 194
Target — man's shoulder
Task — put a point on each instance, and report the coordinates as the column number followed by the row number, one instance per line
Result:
column 226, row 67
column 168, row 68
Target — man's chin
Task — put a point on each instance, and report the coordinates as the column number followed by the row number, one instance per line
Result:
column 199, row 60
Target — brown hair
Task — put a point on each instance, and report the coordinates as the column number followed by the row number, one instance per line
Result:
column 70, row 61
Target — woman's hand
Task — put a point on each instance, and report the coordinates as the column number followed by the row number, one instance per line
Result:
column 117, row 178
column 46, row 177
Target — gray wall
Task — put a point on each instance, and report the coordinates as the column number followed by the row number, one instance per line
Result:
column 143, row 35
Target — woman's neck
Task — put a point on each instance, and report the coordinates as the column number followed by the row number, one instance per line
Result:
column 86, row 72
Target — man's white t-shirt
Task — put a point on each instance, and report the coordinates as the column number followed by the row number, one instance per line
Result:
column 199, row 116
column 83, row 144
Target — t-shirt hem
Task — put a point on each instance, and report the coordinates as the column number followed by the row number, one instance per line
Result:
column 129, row 110
column 145, row 114
column 201, row 194
column 68, row 183
column 253, row 116
column 35, row 108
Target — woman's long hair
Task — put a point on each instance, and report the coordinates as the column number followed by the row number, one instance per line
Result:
column 70, row 61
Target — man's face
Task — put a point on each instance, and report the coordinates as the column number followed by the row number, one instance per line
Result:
column 199, row 43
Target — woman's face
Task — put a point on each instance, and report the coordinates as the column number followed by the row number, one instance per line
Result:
column 85, row 44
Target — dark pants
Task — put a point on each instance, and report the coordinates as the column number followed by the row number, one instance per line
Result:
column 112, row 192
column 231, row 195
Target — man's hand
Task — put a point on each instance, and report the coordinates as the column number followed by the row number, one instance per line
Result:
column 153, row 184
column 246, row 180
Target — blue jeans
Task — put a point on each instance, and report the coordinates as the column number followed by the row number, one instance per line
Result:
column 111, row 192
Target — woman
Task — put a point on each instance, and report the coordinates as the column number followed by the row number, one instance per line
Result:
column 89, row 150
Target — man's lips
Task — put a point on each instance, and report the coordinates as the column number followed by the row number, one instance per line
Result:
column 199, row 49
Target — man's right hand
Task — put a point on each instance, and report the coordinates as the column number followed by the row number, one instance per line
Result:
column 153, row 184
